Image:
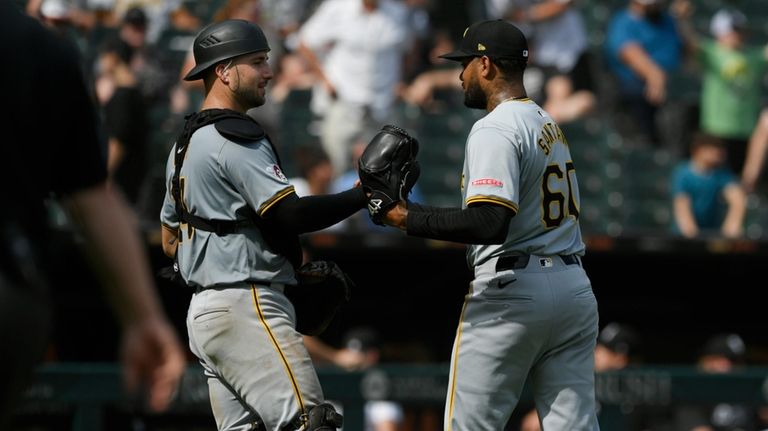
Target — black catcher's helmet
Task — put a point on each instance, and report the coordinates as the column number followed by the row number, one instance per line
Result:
column 224, row 40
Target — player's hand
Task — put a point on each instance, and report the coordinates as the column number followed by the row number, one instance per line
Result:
column 396, row 216
column 153, row 360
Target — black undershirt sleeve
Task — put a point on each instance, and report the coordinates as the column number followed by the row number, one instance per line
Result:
column 312, row 213
column 484, row 223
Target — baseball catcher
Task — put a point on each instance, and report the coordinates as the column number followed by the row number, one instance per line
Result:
column 388, row 170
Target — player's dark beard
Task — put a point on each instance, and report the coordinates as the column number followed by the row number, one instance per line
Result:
column 474, row 97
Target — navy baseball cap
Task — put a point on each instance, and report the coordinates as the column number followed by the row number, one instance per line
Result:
column 495, row 38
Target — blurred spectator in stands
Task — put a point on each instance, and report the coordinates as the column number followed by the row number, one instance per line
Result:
column 316, row 177
column 62, row 18
column 286, row 17
column 361, row 350
column 642, row 47
column 125, row 119
column 356, row 48
column 291, row 74
column 559, row 47
column 160, row 14
column 314, row 169
column 145, row 60
column 733, row 73
column 721, row 354
column 438, row 75
column 420, row 29
column 617, row 347
column 707, row 197
column 756, row 151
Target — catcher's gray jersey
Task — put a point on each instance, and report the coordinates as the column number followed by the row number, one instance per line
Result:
column 229, row 179
column 517, row 156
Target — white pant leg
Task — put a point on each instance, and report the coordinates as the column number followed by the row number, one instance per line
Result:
column 258, row 362
column 530, row 326
column 563, row 380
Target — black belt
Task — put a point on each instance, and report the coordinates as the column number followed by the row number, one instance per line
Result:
column 505, row 263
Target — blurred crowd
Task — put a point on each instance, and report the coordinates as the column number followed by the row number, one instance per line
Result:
column 613, row 75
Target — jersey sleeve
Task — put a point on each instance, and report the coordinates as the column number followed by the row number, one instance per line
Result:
column 168, row 216
column 253, row 170
column 493, row 161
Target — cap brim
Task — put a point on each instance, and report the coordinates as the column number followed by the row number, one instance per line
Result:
column 458, row 55
column 197, row 71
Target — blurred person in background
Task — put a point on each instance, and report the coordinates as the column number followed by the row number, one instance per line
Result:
column 617, row 347
column 643, row 46
column 559, row 46
column 707, row 198
column 357, row 49
column 722, row 353
column 125, row 118
column 361, row 350
column 69, row 168
column 733, row 73
column 756, row 152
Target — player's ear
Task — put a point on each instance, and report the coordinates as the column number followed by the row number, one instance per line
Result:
column 222, row 71
column 487, row 67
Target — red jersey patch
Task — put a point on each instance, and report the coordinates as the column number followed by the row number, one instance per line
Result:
column 487, row 182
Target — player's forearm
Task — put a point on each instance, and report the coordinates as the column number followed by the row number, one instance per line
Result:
column 312, row 213
column 485, row 224
column 169, row 238
column 116, row 251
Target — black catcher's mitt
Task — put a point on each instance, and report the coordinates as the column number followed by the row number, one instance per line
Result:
column 388, row 169
column 321, row 290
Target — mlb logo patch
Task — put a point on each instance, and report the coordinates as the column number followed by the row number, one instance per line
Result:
column 546, row 262
column 275, row 171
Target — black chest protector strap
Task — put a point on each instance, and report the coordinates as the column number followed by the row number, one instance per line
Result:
column 237, row 127
column 248, row 129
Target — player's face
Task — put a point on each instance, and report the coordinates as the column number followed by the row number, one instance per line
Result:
column 249, row 77
column 474, row 97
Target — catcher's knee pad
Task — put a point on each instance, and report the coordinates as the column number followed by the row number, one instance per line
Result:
column 323, row 417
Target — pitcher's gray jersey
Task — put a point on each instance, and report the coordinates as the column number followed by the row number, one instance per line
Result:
column 229, row 179
column 517, row 156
